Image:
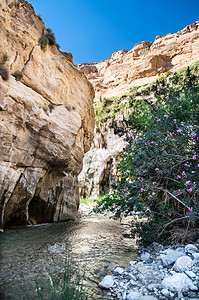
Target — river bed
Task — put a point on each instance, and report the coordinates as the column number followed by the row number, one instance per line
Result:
column 27, row 252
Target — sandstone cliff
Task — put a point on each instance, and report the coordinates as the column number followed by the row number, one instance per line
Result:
column 46, row 123
column 115, row 76
column 141, row 64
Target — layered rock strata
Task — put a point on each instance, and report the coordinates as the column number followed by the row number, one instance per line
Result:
column 46, row 123
column 143, row 62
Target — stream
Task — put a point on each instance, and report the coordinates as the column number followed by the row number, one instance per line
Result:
column 27, row 252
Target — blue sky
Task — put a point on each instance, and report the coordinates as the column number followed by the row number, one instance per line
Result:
column 93, row 29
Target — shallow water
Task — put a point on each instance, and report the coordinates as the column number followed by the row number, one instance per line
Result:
column 26, row 252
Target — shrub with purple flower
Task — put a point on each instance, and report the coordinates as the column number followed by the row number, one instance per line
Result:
column 165, row 156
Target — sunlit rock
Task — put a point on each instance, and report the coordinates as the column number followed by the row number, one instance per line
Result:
column 46, row 123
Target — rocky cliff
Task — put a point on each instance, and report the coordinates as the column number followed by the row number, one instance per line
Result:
column 46, row 122
column 143, row 62
column 116, row 76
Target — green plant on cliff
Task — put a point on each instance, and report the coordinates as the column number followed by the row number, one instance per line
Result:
column 159, row 171
column 44, row 42
column 110, row 108
column 3, row 70
column 48, row 39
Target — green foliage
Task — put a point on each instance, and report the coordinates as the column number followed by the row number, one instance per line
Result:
column 51, row 38
column 44, row 42
column 48, row 39
column 159, row 171
column 110, row 108
column 69, row 286
column 4, row 59
column 87, row 201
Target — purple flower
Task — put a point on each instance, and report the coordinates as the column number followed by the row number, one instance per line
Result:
column 170, row 134
column 167, row 99
column 174, row 120
column 178, row 177
column 133, row 158
column 190, row 209
column 189, row 190
column 193, row 172
column 178, row 99
column 166, row 116
column 152, row 142
column 194, row 157
column 156, row 169
column 184, row 174
column 142, row 190
column 187, row 183
column 179, row 130
column 158, row 105
column 165, row 138
column 187, row 165
column 124, row 149
column 194, row 134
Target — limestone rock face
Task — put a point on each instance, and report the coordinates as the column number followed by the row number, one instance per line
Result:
column 100, row 165
column 46, row 123
column 141, row 64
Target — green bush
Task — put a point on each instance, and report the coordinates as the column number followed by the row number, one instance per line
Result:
column 159, row 171
column 4, row 59
column 44, row 42
column 51, row 38
column 48, row 39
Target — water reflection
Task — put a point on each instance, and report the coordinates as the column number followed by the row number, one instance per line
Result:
column 27, row 251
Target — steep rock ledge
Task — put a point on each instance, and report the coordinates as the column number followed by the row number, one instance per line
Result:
column 46, row 123
column 143, row 62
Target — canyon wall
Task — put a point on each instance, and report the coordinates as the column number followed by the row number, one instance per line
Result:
column 143, row 62
column 116, row 76
column 46, row 122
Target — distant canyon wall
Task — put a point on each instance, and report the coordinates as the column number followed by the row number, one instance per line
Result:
column 143, row 62
column 46, row 122
column 115, row 76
